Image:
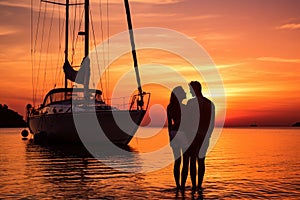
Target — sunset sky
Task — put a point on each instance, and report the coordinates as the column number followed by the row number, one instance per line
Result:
column 255, row 45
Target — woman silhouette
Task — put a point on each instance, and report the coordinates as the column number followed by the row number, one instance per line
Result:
column 177, row 137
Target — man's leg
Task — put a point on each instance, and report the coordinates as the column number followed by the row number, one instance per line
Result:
column 201, row 171
column 193, row 171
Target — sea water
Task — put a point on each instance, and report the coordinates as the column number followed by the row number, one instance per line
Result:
column 245, row 163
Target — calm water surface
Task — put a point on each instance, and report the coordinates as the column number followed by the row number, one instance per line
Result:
column 245, row 164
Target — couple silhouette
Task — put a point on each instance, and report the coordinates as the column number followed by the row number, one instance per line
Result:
column 190, row 127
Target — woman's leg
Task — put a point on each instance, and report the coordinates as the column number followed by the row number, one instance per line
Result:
column 185, row 169
column 176, row 169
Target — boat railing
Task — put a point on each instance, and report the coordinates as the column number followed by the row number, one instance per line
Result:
column 121, row 103
column 140, row 103
column 130, row 103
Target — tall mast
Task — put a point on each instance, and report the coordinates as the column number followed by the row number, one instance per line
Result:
column 86, row 27
column 67, row 39
column 86, row 47
column 138, row 79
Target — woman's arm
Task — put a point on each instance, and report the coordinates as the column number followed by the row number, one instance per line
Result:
column 169, row 116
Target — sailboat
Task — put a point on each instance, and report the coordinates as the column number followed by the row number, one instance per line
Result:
column 53, row 120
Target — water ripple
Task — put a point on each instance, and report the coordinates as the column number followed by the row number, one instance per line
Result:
column 235, row 169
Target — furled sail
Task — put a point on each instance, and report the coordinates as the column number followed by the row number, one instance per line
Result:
column 82, row 75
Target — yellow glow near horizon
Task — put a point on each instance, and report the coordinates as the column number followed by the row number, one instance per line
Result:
column 256, row 53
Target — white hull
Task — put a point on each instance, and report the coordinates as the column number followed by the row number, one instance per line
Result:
column 60, row 127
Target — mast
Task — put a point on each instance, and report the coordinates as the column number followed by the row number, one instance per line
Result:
column 86, row 27
column 67, row 39
column 86, row 47
column 138, row 79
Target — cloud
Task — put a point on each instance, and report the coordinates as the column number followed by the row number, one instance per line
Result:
column 222, row 66
column 20, row 3
column 277, row 59
column 7, row 32
column 291, row 26
column 217, row 36
column 150, row 15
column 199, row 17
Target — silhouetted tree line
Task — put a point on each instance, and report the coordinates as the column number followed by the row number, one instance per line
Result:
column 10, row 118
column 297, row 124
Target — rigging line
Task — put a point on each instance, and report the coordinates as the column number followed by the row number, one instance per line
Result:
column 62, row 4
column 108, row 32
column 103, row 49
column 73, row 36
column 60, row 54
column 95, row 45
column 50, row 34
column 77, row 37
column 55, row 77
column 59, row 45
column 37, row 27
column 41, row 47
column 31, row 50
column 47, row 51
column 45, row 56
column 34, row 51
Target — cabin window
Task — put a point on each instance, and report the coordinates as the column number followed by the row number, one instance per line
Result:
column 48, row 100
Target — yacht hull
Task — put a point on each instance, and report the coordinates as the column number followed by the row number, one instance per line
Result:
column 117, row 126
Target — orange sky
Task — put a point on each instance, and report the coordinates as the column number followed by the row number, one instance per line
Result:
column 255, row 45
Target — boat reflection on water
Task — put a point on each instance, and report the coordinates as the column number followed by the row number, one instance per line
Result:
column 70, row 171
column 67, row 150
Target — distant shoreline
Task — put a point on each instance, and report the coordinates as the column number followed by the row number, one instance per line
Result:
column 10, row 119
column 297, row 124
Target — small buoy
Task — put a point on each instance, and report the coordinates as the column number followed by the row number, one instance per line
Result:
column 28, row 106
column 24, row 133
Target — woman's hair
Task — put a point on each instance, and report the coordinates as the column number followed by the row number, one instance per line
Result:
column 173, row 98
